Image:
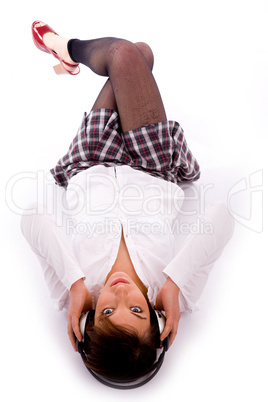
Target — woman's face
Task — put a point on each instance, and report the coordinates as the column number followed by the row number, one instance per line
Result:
column 123, row 302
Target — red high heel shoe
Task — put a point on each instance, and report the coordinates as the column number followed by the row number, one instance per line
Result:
column 38, row 33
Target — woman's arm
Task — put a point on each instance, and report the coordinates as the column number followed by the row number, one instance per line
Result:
column 191, row 267
column 50, row 243
column 189, row 270
column 80, row 301
column 201, row 250
column 167, row 300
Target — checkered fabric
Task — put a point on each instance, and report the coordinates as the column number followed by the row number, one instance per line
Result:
column 157, row 149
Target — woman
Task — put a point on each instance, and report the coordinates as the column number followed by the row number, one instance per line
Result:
column 116, row 254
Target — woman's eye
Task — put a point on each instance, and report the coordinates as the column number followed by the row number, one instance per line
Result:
column 136, row 310
column 107, row 311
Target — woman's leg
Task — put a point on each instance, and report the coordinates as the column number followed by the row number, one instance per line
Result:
column 136, row 93
column 106, row 98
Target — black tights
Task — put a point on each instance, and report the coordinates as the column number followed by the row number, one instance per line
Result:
column 131, row 88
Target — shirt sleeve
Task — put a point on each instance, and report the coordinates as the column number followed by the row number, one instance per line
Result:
column 191, row 267
column 51, row 245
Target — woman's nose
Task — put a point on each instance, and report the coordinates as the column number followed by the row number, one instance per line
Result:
column 121, row 290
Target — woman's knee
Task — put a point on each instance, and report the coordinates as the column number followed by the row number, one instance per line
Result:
column 147, row 52
column 125, row 53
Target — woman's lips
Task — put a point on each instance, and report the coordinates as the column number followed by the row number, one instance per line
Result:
column 119, row 280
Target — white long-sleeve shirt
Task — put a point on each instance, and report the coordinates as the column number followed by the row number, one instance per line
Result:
column 103, row 202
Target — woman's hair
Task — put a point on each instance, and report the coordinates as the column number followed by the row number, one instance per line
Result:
column 115, row 352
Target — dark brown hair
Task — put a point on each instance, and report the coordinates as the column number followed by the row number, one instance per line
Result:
column 115, row 352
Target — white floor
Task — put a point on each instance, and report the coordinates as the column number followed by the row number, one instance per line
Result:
column 211, row 63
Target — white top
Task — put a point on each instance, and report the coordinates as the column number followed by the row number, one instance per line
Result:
column 103, row 202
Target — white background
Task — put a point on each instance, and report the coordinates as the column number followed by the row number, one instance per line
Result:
column 211, row 63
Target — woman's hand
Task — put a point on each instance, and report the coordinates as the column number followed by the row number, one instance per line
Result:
column 80, row 300
column 167, row 300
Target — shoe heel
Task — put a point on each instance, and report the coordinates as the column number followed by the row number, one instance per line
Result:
column 59, row 69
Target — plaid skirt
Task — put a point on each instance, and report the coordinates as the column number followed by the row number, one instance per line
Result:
column 157, row 149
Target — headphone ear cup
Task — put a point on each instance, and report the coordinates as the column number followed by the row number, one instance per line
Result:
column 161, row 319
column 82, row 323
column 85, row 319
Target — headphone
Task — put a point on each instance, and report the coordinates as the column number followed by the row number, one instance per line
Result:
column 131, row 382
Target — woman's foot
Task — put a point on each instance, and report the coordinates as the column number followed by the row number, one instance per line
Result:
column 58, row 45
